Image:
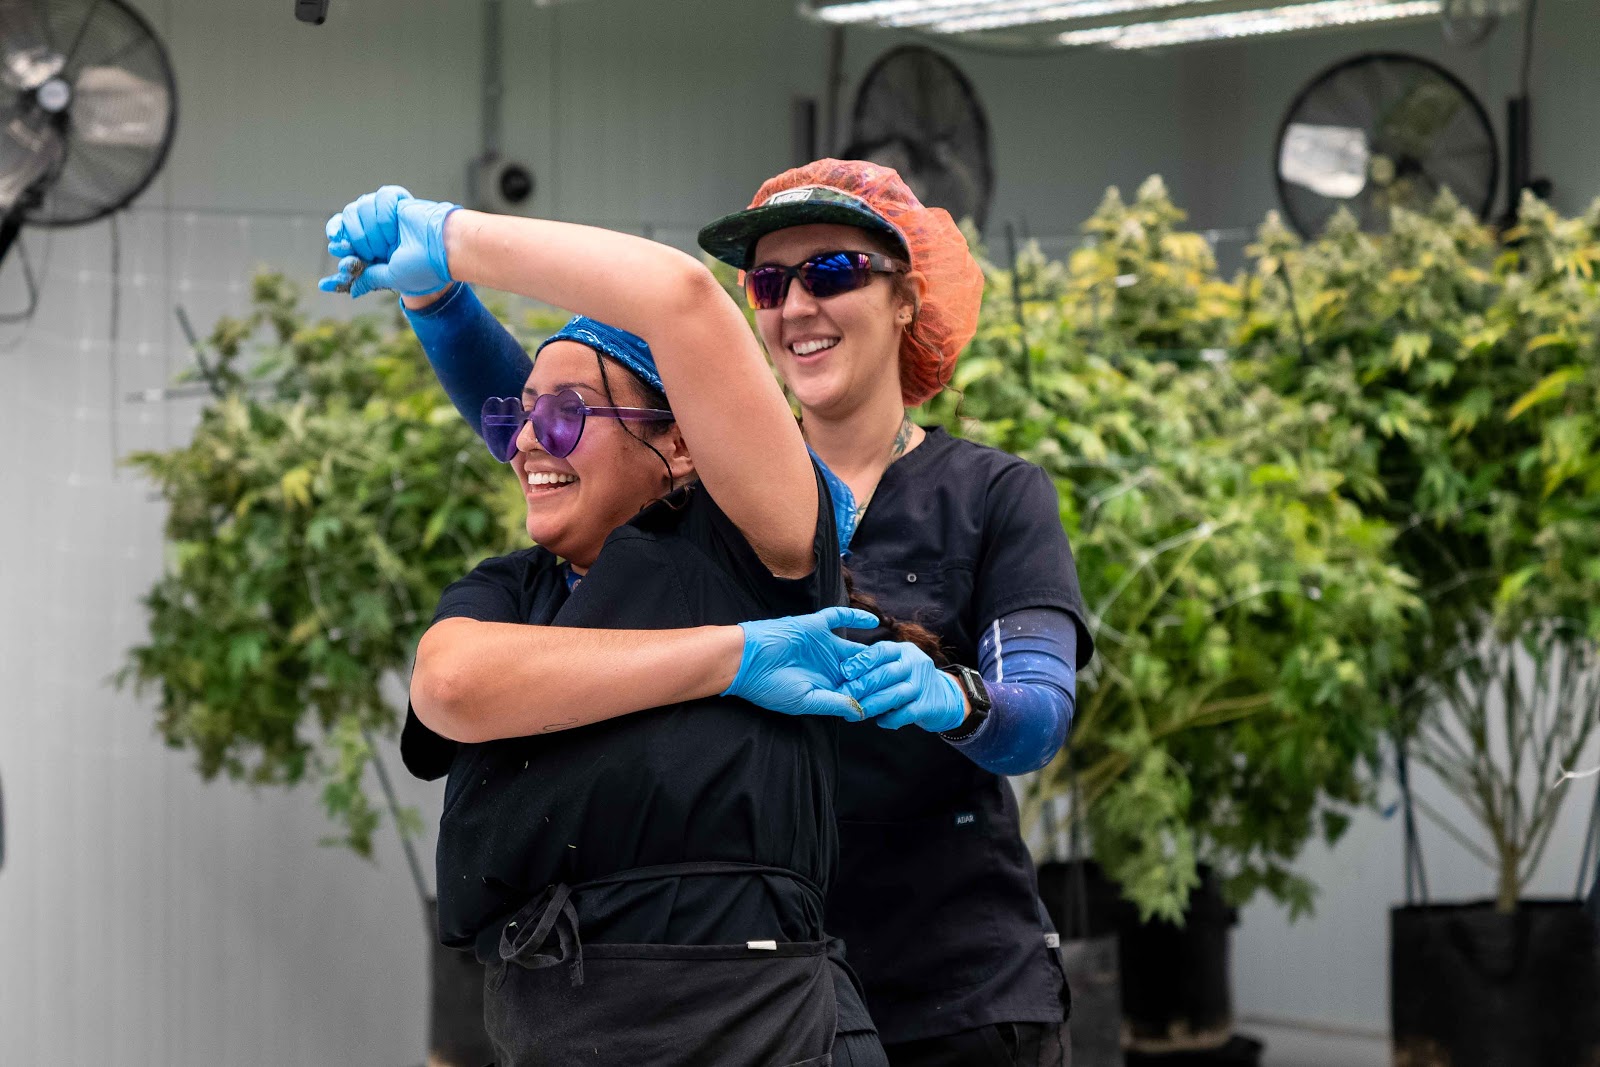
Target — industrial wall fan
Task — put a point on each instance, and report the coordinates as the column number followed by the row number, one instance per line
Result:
column 89, row 104
column 1380, row 131
column 916, row 112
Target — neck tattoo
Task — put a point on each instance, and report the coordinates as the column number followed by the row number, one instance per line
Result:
column 902, row 440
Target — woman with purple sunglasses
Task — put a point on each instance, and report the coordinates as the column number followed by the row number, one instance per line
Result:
column 864, row 299
column 644, row 888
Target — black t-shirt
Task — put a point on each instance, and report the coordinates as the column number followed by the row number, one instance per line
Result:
column 936, row 896
column 705, row 780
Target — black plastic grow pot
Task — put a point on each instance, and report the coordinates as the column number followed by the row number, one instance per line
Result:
column 1176, row 982
column 456, row 1037
column 1470, row 987
column 1089, row 957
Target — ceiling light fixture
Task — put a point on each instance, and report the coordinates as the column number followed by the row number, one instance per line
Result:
column 1171, row 22
column 1002, row 16
column 880, row 10
column 1289, row 18
column 958, row 16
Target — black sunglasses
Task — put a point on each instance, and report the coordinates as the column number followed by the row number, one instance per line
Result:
column 823, row 275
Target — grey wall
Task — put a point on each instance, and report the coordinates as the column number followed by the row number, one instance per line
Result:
column 148, row 919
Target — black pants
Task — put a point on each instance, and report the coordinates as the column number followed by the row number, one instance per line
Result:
column 999, row 1045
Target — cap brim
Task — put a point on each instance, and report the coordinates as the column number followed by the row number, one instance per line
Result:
column 732, row 238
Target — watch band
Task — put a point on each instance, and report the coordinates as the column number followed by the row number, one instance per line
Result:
column 977, row 694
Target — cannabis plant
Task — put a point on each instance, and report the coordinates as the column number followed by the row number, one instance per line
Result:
column 328, row 495
column 1244, row 606
column 1466, row 363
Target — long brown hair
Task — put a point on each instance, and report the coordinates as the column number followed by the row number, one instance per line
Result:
column 915, row 633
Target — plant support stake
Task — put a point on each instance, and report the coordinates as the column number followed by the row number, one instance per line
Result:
column 399, row 825
column 1413, row 847
column 1016, row 305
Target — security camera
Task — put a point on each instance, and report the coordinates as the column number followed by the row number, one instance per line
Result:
column 312, row 11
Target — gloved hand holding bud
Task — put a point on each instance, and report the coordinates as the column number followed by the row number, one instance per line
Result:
column 389, row 239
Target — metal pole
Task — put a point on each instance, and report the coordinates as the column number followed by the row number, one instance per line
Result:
column 491, row 93
column 830, row 133
column 399, row 826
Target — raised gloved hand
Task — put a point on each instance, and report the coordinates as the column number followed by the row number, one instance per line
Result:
column 897, row 684
column 389, row 240
column 369, row 226
column 791, row 665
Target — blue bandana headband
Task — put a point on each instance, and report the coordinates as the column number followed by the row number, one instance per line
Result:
column 626, row 348
column 632, row 352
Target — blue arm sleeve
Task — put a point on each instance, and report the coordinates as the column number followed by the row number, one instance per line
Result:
column 473, row 355
column 1027, row 660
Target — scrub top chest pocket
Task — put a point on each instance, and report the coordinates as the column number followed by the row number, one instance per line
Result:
column 936, row 593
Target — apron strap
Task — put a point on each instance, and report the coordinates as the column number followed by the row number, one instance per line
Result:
column 550, row 911
column 702, row 870
column 523, row 940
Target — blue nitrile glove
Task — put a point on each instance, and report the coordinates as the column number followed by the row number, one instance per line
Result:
column 791, row 665
column 404, row 241
column 898, row 685
column 369, row 226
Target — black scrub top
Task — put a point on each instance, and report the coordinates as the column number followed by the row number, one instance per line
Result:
column 936, row 897
column 705, row 780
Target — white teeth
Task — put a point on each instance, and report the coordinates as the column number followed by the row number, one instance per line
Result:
column 805, row 348
column 549, row 478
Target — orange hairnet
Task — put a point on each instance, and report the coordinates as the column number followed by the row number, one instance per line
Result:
column 948, row 315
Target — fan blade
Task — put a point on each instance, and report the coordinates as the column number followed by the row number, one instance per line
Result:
column 962, row 189
column 26, row 69
column 916, row 112
column 29, row 59
column 83, row 29
column 28, row 155
column 115, row 107
column 1409, row 126
column 1331, row 161
column 893, row 153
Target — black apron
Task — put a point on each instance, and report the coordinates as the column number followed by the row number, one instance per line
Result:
column 551, row 1001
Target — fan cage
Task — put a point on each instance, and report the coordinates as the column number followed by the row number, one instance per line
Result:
column 921, row 52
column 1482, row 211
column 40, row 216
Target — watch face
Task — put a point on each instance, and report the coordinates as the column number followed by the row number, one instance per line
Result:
column 977, row 692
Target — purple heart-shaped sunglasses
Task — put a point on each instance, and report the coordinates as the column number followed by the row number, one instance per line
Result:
column 557, row 419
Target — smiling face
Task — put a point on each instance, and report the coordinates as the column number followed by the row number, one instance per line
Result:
column 842, row 352
column 576, row 501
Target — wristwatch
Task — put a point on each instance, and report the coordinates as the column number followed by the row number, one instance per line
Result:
column 977, row 694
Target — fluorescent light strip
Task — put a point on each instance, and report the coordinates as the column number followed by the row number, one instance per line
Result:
column 1289, row 19
column 877, row 10
column 911, row 13
column 1010, row 15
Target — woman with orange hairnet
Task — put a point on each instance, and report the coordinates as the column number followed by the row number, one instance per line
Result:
column 864, row 299
column 935, row 897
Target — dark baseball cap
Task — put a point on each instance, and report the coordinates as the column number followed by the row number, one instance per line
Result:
column 732, row 238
